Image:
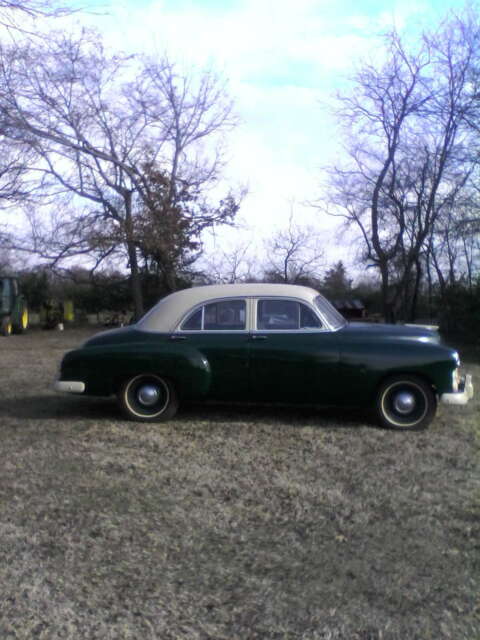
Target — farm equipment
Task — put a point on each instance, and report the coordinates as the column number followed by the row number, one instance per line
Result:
column 13, row 307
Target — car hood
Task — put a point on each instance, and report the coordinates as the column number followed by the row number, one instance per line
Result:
column 389, row 332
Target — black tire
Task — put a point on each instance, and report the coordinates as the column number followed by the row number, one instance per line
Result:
column 148, row 398
column 6, row 326
column 406, row 403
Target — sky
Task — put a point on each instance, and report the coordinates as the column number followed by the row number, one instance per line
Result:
column 283, row 60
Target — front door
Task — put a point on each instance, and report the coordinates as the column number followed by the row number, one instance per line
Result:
column 293, row 358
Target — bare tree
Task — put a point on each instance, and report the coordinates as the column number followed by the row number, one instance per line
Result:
column 294, row 254
column 453, row 246
column 410, row 153
column 100, row 125
column 14, row 12
column 31, row 7
column 229, row 266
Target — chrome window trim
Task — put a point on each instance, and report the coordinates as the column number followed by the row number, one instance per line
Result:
column 251, row 317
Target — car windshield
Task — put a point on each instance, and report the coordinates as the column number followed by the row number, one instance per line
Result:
column 333, row 317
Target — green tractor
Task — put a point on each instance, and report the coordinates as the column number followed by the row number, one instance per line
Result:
column 13, row 307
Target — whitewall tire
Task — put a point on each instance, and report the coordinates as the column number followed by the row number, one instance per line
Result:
column 406, row 403
column 147, row 397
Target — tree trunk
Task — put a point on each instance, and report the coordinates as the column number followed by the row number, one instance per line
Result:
column 170, row 279
column 429, row 286
column 388, row 310
column 135, row 282
column 416, row 289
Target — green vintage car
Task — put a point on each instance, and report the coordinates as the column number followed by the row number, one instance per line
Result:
column 266, row 343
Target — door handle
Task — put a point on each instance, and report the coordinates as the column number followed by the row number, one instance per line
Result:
column 258, row 337
column 176, row 336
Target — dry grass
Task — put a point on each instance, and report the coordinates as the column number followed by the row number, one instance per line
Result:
column 229, row 522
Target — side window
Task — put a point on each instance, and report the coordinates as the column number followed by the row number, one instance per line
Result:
column 308, row 320
column 229, row 315
column 285, row 315
column 193, row 322
column 277, row 315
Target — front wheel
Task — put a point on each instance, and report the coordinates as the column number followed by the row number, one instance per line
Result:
column 406, row 403
column 148, row 398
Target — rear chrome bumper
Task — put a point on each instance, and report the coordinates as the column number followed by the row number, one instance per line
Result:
column 69, row 386
column 463, row 395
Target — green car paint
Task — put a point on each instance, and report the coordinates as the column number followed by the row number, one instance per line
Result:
column 344, row 366
column 295, row 367
column 109, row 358
column 370, row 353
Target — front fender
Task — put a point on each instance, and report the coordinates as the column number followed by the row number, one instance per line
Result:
column 364, row 367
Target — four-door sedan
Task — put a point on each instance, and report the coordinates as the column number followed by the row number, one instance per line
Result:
column 266, row 343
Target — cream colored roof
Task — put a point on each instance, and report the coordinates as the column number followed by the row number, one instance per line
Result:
column 167, row 313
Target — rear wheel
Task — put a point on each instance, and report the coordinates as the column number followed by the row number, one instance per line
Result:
column 406, row 403
column 6, row 326
column 149, row 398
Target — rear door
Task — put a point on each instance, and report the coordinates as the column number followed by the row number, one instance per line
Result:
column 219, row 331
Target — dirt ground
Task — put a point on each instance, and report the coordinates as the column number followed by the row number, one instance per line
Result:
column 229, row 522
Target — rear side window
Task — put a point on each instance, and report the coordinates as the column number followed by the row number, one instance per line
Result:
column 285, row 315
column 227, row 315
column 193, row 322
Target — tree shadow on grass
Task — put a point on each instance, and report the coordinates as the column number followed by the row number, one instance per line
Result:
column 48, row 407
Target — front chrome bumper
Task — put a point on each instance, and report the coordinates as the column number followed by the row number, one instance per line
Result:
column 463, row 395
column 69, row 386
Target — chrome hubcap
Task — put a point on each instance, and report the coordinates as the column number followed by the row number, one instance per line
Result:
column 148, row 395
column 404, row 402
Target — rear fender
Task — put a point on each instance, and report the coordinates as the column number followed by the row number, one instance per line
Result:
column 104, row 368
